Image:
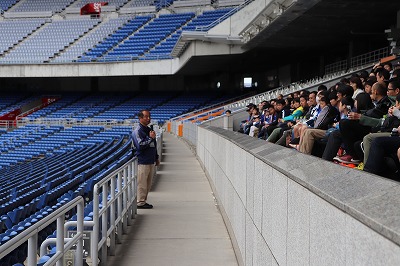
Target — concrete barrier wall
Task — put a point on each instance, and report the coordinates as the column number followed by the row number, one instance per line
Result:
column 287, row 208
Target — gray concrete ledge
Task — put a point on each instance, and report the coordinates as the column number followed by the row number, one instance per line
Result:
column 287, row 208
column 371, row 199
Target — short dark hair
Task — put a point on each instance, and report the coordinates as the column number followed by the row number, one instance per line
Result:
column 384, row 73
column 322, row 88
column 380, row 89
column 364, row 74
column 297, row 100
column 345, row 90
column 281, row 101
column 395, row 83
column 347, row 101
column 324, row 99
column 141, row 115
column 332, row 95
column 396, row 73
column 388, row 64
column 369, row 82
column 344, row 81
column 228, row 111
column 304, row 96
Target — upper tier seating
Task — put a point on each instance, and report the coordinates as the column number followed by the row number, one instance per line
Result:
column 115, row 38
column 42, row 5
column 56, row 35
column 163, row 49
column 149, row 36
column 6, row 4
column 117, row 3
column 86, row 40
column 137, row 3
column 14, row 31
column 91, row 39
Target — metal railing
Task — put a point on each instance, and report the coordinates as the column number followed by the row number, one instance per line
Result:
column 210, row 108
column 68, row 122
column 369, row 58
column 336, row 67
column 358, row 61
column 63, row 244
column 117, row 209
column 114, row 207
column 227, row 15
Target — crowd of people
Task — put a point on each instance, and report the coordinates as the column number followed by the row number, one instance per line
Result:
column 354, row 123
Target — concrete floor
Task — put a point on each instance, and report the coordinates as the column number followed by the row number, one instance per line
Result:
column 184, row 227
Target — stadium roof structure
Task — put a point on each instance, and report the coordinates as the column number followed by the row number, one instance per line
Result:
column 259, row 30
column 300, row 26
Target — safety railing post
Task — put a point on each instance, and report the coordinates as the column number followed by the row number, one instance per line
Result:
column 112, row 218
column 125, row 203
column 119, row 202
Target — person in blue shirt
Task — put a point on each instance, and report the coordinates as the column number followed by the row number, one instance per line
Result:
column 144, row 140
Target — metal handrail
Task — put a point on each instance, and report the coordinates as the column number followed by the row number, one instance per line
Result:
column 117, row 209
column 227, row 15
column 211, row 107
column 357, row 61
column 31, row 235
column 76, row 122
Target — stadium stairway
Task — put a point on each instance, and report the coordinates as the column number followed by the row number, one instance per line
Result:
column 185, row 226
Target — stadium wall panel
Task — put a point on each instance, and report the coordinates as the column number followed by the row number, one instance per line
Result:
column 286, row 208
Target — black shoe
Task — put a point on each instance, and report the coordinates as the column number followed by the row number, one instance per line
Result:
column 145, row 206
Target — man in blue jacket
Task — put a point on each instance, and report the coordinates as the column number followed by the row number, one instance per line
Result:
column 144, row 139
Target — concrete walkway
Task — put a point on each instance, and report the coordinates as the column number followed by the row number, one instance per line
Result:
column 184, row 227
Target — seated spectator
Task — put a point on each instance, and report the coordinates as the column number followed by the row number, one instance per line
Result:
column 309, row 117
column 343, row 91
column 333, row 100
column 391, row 121
column 352, row 130
column 368, row 86
column 270, row 119
column 254, row 129
column 345, row 107
column 382, row 76
column 324, row 120
column 245, row 123
column 396, row 73
column 298, row 131
column 254, row 112
column 356, row 84
column 363, row 76
column 228, row 112
column 363, row 102
column 382, row 147
column 300, row 105
column 282, row 111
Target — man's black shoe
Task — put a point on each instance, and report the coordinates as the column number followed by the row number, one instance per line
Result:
column 145, row 206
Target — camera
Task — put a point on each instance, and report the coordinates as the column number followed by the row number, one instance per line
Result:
column 394, row 132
